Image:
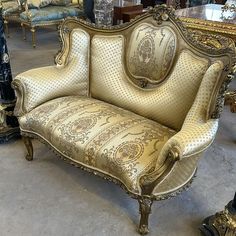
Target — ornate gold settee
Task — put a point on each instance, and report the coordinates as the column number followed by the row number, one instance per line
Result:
column 136, row 104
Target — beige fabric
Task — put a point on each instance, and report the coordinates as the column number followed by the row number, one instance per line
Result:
column 80, row 39
column 182, row 172
column 99, row 135
column 197, row 132
column 43, row 84
column 167, row 104
column 151, row 51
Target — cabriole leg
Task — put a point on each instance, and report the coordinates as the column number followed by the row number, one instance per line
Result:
column 23, row 31
column 6, row 28
column 145, row 205
column 28, row 143
column 33, row 37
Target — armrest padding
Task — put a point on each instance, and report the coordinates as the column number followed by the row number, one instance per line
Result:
column 196, row 133
column 37, row 86
column 43, row 84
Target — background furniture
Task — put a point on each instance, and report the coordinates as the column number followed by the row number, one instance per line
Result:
column 209, row 18
column 103, row 12
column 121, row 7
column 8, row 123
column 127, row 16
column 11, row 10
column 50, row 14
column 222, row 223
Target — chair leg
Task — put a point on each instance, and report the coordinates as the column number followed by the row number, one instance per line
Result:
column 23, row 31
column 33, row 37
column 6, row 28
column 145, row 205
column 28, row 143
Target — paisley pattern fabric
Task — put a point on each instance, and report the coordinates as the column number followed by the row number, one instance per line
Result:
column 151, row 52
column 50, row 13
column 99, row 135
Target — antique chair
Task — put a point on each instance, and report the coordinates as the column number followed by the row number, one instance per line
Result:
column 47, row 12
column 11, row 10
column 136, row 104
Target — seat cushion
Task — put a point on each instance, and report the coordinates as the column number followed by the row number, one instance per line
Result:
column 99, row 135
column 50, row 13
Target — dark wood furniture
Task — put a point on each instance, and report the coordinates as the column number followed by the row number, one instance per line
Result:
column 127, row 16
column 152, row 3
column 120, row 7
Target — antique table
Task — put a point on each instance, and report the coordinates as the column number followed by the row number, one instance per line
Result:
column 121, row 6
column 127, row 16
column 209, row 18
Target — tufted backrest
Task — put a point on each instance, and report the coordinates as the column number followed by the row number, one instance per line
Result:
column 149, row 66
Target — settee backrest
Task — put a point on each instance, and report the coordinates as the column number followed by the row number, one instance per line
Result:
column 152, row 66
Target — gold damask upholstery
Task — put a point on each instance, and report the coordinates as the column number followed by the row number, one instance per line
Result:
column 151, row 52
column 136, row 104
column 99, row 135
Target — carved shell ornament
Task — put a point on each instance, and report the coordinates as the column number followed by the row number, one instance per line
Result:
column 161, row 13
column 208, row 42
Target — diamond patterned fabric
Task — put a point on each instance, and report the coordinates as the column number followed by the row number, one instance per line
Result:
column 167, row 104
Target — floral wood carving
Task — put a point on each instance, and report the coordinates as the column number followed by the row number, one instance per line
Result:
column 207, row 42
column 222, row 91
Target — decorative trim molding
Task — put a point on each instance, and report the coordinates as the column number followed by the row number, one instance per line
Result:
column 106, row 176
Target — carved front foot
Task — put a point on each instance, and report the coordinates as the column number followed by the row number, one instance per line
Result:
column 23, row 31
column 33, row 37
column 145, row 205
column 143, row 229
column 28, row 144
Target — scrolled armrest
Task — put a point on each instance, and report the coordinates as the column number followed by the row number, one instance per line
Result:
column 37, row 86
column 196, row 134
column 192, row 139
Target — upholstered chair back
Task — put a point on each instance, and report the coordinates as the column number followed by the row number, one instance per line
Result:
column 153, row 67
